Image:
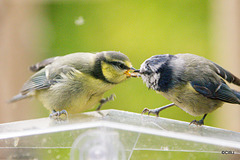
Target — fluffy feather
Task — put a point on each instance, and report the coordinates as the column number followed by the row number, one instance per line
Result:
column 193, row 83
column 75, row 82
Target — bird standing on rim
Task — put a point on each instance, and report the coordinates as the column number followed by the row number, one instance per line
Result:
column 193, row 83
column 76, row 82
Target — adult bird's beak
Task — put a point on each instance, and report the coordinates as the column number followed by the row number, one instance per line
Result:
column 132, row 69
column 136, row 71
column 133, row 74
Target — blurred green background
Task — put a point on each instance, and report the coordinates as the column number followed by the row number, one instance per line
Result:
column 139, row 29
column 32, row 31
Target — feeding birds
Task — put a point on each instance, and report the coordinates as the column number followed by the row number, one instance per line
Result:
column 193, row 83
column 76, row 82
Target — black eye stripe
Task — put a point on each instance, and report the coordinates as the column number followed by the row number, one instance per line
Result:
column 118, row 64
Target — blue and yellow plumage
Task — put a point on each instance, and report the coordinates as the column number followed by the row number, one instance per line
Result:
column 76, row 82
column 193, row 83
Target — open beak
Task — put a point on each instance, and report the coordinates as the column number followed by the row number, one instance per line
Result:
column 132, row 74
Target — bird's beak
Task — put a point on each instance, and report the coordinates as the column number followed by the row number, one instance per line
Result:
column 136, row 71
column 132, row 69
column 132, row 74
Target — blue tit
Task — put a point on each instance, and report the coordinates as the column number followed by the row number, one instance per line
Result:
column 193, row 83
column 76, row 82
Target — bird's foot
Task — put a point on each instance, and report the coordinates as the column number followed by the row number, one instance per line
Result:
column 59, row 115
column 105, row 100
column 157, row 110
column 153, row 111
column 111, row 97
column 198, row 123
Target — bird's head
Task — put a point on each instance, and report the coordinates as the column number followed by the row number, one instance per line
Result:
column 115, row 66
column 152, row 71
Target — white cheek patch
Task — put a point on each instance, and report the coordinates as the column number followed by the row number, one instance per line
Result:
column 144, row 78
column 156, row 77
column 151, row 80
column 143, row 68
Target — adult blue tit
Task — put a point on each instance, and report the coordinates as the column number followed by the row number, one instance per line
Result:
column 76, row 82
column 193, row 83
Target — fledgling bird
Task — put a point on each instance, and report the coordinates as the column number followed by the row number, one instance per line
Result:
column 76, row 82
column 193, row 83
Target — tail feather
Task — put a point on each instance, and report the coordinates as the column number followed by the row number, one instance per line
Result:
column 18, row 97
column 237, row 94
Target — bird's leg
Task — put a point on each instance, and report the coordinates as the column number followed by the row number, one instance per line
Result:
column 105, row 100
column 200, row 122
column 57, row 114
column 157, row 110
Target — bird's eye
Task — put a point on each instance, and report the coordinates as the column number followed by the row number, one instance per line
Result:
column 120, row 65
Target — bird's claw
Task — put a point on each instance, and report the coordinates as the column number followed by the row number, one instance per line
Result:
column 111, row 97
column 197, row 123
column 57, row 115
column 153, row 111
column 145, row 110
column 105, row 100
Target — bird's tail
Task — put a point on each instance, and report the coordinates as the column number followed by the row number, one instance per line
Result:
column 18, row 97
column 237, row 94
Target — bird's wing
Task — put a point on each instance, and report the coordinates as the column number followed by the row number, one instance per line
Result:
column 226, row 75
column 40, row 65
column 219, row 91
column 48, row 77
column 36, row 82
